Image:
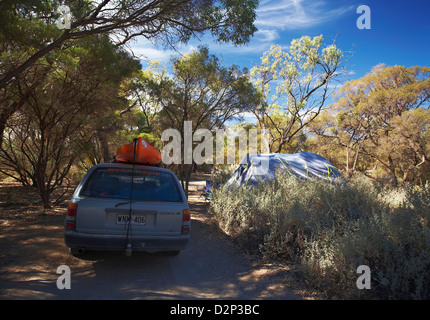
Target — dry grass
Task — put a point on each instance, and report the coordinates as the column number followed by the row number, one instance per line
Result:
column 22, row 203
column 330, row 230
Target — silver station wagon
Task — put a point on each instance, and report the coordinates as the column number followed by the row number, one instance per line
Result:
column 119, row 206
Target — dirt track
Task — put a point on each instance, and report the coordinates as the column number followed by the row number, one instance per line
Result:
column 210, row 268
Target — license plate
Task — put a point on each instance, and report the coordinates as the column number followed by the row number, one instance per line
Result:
column 135, row 220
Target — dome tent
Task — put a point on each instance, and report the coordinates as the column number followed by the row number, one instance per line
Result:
column 262, row 167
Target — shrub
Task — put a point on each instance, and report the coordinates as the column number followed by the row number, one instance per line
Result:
column 331, row 229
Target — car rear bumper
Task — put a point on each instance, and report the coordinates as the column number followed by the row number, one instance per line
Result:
column 96, row 242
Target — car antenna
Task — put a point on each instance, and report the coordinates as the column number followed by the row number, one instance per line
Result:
column 129, row 248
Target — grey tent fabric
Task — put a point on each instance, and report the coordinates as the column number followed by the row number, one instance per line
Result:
column 304, row 165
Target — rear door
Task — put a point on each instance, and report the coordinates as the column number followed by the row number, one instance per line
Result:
column 108, row 203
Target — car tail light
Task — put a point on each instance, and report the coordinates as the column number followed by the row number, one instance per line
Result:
column 71, row 216
column 71, row 212
column 186, row 217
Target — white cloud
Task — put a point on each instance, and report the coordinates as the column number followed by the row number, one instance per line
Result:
column 244, row 117
column 274, row 17
column 297, row 14
column 147, row 51
column 260, row 42
column 266, row 35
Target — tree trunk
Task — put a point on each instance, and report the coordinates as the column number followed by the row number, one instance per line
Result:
column 347, row 161
column 104, row 147
column 185, row 176
column 5, row 114
column 188, row 178
column 392, row 168
column 356, row 159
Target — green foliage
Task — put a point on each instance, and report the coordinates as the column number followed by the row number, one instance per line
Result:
column 331, row 229
column 33, row 23
column 238, row 15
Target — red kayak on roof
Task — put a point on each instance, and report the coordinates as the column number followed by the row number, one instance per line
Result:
column 140, row 151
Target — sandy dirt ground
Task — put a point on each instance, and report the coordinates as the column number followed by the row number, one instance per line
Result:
column 211, row 267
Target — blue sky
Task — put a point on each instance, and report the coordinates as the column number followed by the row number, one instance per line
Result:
column 399, row 34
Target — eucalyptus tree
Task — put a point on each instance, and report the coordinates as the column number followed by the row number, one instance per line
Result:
column 32, row 29
column 382, row 121
column 201, row 93
column 296, row 84
column 164, row 21
column 69, row 109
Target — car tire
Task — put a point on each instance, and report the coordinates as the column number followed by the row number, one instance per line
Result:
column 76, row 251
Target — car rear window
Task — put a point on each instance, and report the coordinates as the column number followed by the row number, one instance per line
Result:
column 149, row 185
